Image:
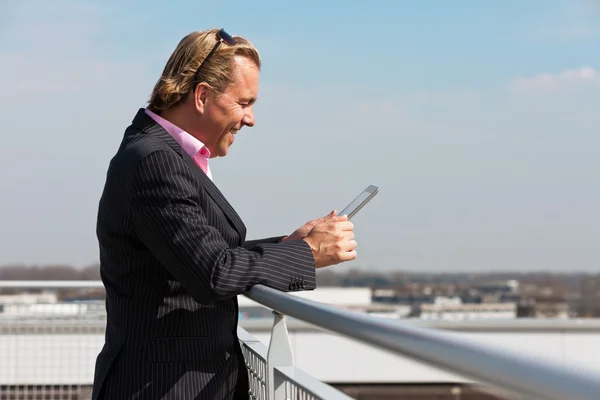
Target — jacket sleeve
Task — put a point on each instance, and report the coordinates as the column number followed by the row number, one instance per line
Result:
column 248, row 244
column 169, row 221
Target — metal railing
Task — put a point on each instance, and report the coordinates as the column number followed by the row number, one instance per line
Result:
column 48, row 350
column 510, row 372
column 272, row 371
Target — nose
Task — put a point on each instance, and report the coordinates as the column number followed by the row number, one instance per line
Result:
column 248, row 119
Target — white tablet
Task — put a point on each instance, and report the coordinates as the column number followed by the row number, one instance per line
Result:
column 360, row 201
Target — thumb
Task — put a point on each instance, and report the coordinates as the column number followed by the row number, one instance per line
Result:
column 327, row 217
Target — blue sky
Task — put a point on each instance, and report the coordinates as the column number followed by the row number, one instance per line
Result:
column 478, row 120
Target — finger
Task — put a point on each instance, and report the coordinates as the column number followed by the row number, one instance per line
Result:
column 338, row 219
column 344, row 225
column 331, row 223
column 348, row 235
column 345, row 246
column 323, row 219
column 348, row 256
column 350, row 245
column 331, row 215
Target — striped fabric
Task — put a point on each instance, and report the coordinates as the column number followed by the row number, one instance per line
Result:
column 174, row 256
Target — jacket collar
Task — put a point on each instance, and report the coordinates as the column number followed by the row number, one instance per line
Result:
column 147, row 125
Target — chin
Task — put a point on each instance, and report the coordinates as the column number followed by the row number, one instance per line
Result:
column 222, row 152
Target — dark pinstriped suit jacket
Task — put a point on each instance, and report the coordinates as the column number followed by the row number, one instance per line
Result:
column 174, row 256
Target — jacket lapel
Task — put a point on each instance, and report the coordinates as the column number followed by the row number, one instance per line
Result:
column 147, row 125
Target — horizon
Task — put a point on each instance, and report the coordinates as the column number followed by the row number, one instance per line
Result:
column 354, row 268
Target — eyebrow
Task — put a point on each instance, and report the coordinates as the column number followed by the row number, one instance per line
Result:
column 250, row 100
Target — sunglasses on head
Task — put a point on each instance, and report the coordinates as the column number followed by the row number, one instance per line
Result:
column 222, row 37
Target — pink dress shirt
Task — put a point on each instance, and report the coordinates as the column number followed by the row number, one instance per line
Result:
column 192, row 146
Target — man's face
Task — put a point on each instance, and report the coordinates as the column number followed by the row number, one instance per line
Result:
column 228, row 112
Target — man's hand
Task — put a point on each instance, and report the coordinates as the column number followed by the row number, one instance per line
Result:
column 303, row 231
column 332, row 241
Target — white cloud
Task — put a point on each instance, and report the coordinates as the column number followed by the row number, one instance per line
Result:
column 551, row 82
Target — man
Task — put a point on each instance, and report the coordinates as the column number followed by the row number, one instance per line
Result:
column 173, row 251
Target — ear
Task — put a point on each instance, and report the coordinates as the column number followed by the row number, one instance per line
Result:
column 200, row 97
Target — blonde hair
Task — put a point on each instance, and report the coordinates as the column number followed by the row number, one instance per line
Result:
column 177, row 79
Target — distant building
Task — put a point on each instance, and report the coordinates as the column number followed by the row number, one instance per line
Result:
column 497, row 290
column 28, row 298
column 544, row 308
column 454, row 311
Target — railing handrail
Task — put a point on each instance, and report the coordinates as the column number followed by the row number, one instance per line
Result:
column 500, row 368
column 515, row 325
column 293, row 374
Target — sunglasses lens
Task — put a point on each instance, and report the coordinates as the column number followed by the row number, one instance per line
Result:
column 226, row 37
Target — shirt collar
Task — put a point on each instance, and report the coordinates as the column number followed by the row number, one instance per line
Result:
column 191, row 145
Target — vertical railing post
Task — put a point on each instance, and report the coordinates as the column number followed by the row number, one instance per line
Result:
column 279, row 355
